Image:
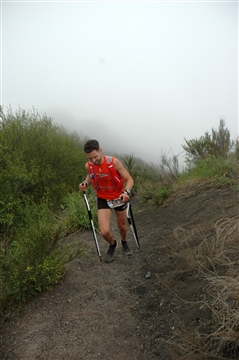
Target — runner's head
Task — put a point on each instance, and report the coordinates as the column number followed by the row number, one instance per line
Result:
column 93, row 151
column 91, row 145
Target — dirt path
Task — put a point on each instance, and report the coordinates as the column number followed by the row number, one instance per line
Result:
column 123, row 310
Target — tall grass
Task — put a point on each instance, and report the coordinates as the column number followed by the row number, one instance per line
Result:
column 206, row 173
column 216, row 259
column 213, row 167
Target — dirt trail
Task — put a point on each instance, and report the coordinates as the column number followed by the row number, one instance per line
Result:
column 122, row 310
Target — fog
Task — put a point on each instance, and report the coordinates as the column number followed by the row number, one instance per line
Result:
column 138, row 76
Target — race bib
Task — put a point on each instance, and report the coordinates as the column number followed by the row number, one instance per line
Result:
column 114, row 203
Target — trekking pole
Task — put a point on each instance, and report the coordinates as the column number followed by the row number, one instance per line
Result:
column 92, row 224
column 130, row 217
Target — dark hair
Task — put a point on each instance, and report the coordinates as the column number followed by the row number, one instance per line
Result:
column 91, row 145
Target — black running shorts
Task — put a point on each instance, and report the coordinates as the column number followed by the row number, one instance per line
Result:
column 102, row 204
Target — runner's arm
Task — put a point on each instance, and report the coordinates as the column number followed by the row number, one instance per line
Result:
column 124, row 173
column 84, row 184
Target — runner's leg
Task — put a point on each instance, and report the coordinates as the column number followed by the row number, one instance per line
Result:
column 104, row 216
column 121, row 222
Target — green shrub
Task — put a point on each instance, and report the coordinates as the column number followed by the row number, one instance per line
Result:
column 217, row 144
column 152, row 193
column 213, row 167
column 35, row 259
column 75, row 212
column 38, row 158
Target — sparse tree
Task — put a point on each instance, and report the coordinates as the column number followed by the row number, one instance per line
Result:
column 221, row 140
column 171, row 164
column 236, row 148
column 217, row 144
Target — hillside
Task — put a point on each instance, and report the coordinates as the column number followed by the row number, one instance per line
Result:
column 129, row 308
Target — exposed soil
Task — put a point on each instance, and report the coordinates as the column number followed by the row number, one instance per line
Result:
column 126, row 309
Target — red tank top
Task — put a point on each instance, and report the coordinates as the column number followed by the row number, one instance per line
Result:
column 102, row 181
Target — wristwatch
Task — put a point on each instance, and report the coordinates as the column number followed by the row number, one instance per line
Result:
column 127, row 191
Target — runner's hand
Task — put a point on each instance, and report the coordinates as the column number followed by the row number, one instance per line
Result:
column 124, row 197
column 83, row 186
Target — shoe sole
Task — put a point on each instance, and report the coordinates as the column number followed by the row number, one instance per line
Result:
column 127, row 253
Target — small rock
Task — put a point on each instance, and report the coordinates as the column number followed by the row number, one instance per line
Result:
column 148, row 275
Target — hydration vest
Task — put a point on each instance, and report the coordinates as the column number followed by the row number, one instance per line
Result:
column 117, row 181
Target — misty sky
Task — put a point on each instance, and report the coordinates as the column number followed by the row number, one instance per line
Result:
column 138, row 76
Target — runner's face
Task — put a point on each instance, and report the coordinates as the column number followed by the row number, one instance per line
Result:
column 95, row 157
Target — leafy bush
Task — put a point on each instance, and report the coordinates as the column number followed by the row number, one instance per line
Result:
column 153, row 193
column 75, row 212
column 35, row 259
column 217, row 144
column 40, row 163
column 38, row 158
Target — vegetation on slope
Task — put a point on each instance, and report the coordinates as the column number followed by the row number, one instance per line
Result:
column 41, row 166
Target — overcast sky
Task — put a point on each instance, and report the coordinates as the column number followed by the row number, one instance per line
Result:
column 138, row 76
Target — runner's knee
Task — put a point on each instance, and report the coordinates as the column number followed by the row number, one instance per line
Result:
column 105, row 232
column 122, row 226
